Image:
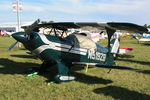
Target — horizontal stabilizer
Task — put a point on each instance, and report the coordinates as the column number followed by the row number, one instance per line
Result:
column 105, row 66
column 117, row 67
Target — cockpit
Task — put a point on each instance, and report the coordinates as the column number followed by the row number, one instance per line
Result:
column 81, row 41
column 77, row 40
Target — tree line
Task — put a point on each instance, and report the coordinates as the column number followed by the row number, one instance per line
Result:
column 147, row 26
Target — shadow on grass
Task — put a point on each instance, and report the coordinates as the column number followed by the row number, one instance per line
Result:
column 142, row 43
column 145, row 44
column 135, row 61
column 90, row 79
column 23, row 56
column 22, row 48
column 119, row 93
column 11, row 67
column 144, row 71
column 80, row 77
column 125, row 56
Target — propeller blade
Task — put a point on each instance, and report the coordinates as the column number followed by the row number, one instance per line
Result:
column 9, row 48
column 31, row 27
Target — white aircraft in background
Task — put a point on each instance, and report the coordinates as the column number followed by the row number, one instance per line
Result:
column 9, row 33
column 142, row 39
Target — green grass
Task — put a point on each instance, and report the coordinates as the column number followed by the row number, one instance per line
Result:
column 96, row 84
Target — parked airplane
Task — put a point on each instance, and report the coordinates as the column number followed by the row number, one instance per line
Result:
column 141, row 39
column 75, row 49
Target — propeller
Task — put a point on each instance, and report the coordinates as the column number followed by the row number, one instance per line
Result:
column 11, row 46
column 27, row 33
column 30, row 28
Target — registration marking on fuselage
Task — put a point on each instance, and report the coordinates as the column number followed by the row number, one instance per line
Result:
column 94, row 55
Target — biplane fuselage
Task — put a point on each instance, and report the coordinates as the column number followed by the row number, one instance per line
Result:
column 54, row 48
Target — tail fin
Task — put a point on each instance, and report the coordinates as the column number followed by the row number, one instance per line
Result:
column 114, row 43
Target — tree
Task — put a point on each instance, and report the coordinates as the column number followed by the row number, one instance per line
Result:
column 145, row 25
column 44, row 22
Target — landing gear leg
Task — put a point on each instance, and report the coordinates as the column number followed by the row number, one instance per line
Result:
column 62, row 75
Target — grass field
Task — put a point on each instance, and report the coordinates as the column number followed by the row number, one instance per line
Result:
column 96, row 84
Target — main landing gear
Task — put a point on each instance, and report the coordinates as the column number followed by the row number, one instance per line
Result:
column 63, row 75
column 62, row 70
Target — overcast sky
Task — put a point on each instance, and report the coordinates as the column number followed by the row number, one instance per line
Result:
column 135, row 11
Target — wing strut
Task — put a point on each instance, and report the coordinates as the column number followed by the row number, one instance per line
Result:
column 110, row 33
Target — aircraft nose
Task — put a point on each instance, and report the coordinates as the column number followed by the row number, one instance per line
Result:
column 19, row 36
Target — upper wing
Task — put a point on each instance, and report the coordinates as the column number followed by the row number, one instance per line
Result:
column 101, row 26
column 130, row 27
column 56, row 25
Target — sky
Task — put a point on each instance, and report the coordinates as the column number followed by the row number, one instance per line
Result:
column 133, row 11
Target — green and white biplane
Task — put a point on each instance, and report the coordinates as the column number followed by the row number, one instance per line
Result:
column 75, row 49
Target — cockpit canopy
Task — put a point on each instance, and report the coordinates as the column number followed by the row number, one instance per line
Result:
column 81, row 41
